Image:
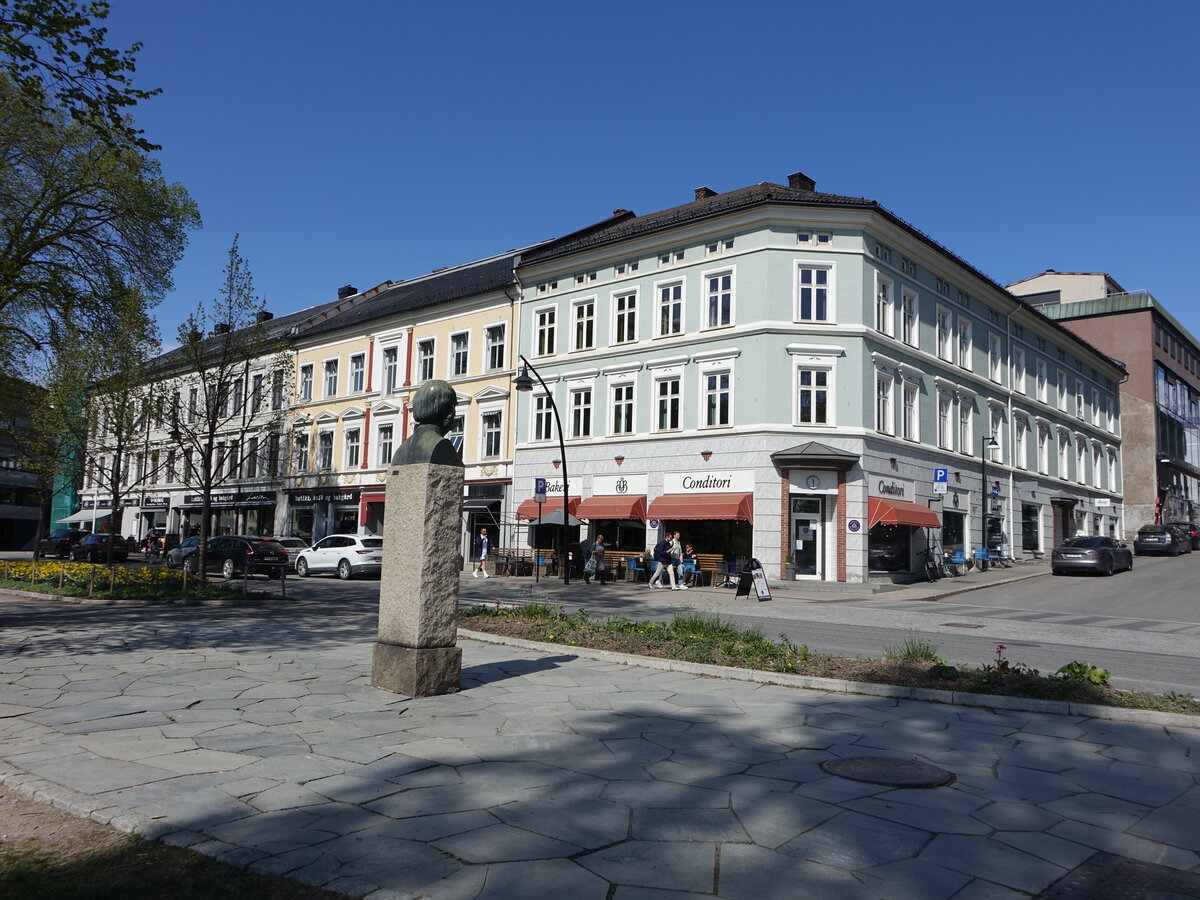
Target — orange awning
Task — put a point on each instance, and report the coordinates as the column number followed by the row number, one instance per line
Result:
column 900, row 512
column 703, row 506
column 613, row 506
column 529, row 508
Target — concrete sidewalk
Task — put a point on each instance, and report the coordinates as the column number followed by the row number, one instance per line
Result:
column 253, row 735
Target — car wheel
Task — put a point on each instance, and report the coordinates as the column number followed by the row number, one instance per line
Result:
column 344, row 572
column 302, row 568
column 1057, row 572
column 189, row 565
column 1129, row 567
column 1108, row 568
column 228, row 569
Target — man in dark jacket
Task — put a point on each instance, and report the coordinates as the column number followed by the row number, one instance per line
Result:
column 663, row 563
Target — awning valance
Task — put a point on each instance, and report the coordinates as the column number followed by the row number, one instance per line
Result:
column 613, row 506
column 900, row 512
column 85, row 515
column 529, row 508
column 703, row 506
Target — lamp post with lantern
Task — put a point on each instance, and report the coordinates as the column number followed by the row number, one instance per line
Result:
column 524, row 384
column 988, row 444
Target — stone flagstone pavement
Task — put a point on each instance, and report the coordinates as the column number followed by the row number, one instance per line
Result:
column 253, row 736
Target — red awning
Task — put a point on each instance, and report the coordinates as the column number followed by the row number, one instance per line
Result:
column 613, row 506
column 374, row 497
column 703, row 506
column 529, row 508
column 900, row 512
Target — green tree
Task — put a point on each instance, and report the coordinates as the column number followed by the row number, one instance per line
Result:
column 228, row 381
column 59, row 60
column 80, row 224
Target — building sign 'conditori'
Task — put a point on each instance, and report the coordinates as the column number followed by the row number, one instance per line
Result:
column 729, row 481
column 891, row 488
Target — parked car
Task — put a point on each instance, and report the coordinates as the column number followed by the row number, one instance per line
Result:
column 176, row 555
column 1158, row 539
column 60, row 542
column 293, row 546
column 236, row 554
column 1191, row 530
column 346, row 554
column 1097, row 553
column 94, row 549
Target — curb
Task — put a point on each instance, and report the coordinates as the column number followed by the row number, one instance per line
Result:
column 838, row 686
column 100, row 601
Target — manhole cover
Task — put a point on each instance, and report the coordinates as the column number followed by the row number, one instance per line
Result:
column 888, row 770
column 1108, row 877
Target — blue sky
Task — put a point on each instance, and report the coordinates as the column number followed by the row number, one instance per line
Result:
column 363, row 141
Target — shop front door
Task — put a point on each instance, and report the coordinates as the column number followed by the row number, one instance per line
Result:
column 808, row 515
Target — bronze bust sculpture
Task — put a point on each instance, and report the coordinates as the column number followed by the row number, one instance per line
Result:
column 433, row 407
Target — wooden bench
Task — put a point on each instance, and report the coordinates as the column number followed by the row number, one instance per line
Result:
column 712, row 568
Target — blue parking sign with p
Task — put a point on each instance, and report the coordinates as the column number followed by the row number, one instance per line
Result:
column 539, row 490
column 941, row 476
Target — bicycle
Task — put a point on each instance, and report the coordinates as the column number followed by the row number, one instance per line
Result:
column 932, row 566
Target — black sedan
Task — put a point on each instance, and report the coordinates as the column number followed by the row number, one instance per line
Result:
column 94, row 548
column 1191, row 531
column 1104, row 555
column 235, row 554
column 60, row 542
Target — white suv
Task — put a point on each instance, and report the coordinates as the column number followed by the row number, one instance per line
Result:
column 346, row 554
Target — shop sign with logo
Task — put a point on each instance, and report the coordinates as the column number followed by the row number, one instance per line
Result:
column 730, row 481
column 324, row 497
column 620, row 485
column 155, row 502
column 891, row 488
column 554, row 486
column 257, row 498
column 813, row 481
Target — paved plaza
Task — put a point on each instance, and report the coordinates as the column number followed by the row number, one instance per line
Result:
column 252, row 735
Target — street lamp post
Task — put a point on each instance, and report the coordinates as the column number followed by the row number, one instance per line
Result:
column 988, row 444
column 524, row 384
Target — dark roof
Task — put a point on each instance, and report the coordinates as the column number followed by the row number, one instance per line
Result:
column 468, row 280
column 624, row 225
column 816, row 454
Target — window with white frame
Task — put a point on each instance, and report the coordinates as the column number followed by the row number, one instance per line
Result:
column 719, row 297
column 386, row 436
column 909, row 412
column 1097, row 410
column 391, row 369
column 1042, row 381
column 425, row 354
column 581, row 412
column 256, row 393
column 622, row 268
column 716, row 398
column 1043, row 450
column 457, row 432
column 996, row 421
column 1064, row 456
column 670, row 308
column 1110, row 413
column 353, row 441
column 492, row 433
column 1018, row 369
column 460, row 353
column 945, row 427
column 1061, row 382
column 299, row 454
column 883, row 304
column 277, row 389
column 995, row 357
column 324, row 451
column 545, row 323
column 884, row 421
column 304, row 392
column 543, row 418
column 813, row 286
column 813, row 388
column 667, row 396
column 1112, row 472
column 1097, row 468
column 908, row 316
column 625, row 317
column 964, row 342
column 715, row 248
column 585, row 277
column 622, row 409
column 239, row 391
column 235, row 460
column 171, row 470
column 945, row 334
column 584, row 314
column 1080, row 461
column 1020, row 430
column 331, row 377
column 670, row 258
column 495, row 347
column 358, row 373
column 966, row 431
column 1080, row 412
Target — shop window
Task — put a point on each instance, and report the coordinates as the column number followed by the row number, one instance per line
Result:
column 889, row 548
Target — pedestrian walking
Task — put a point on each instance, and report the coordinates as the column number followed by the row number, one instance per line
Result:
column 595, row 565
column 662, row 563
column 482, row 545
column 676, row 560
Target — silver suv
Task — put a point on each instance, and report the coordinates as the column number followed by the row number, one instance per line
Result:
column 346, row 554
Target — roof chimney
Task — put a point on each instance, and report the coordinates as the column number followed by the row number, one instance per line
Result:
column 221, row 328
column 703, row 193
column 263, row 316
column 347, row 290
column 801, row 182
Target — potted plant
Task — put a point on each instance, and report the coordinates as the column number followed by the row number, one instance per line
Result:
column 789, row 568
